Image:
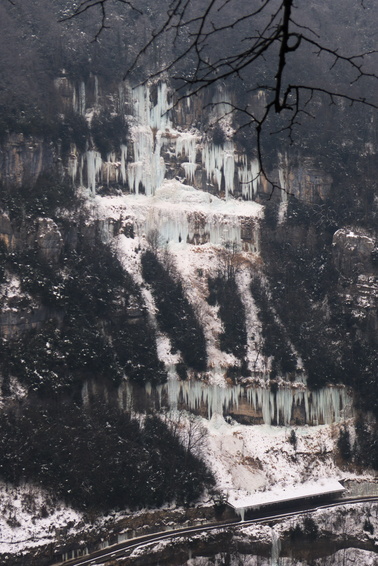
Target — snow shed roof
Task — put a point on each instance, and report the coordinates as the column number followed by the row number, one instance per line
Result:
column 290, row 493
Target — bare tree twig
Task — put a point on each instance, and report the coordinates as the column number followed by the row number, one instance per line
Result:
column 86, row 5
column 276, row 37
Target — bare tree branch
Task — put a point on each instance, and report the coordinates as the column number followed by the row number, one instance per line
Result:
column 196, row 29
column 86, row 5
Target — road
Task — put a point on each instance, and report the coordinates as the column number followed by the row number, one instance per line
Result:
column 126, row 547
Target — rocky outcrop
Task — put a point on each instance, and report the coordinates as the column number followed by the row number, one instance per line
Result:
column 42, row 234
column 48, row 239
column 6, row 230
column 352, row 252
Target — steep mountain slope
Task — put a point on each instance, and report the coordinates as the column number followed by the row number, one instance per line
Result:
column 145, row 265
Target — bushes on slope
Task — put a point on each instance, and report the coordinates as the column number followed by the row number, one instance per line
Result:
column 224, row 292
column 276, row 342
column 301, row 277
column 98, row 458
column 42, row 198
column 88, row 332
column 175, row 314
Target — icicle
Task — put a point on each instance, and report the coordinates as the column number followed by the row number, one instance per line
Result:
column 123, row 163
column 176, row 224
column 194, row 394
column 141, row 103
column 96, row 89
column 190, row 169
column 284, row 400
column 282, row 175
column 276, row 548
column 241, row 512
column 186, row 146
column 229, row 169
column 148, row 168
column 94, row 166
column 111, row 168
column 81, row 107
column 249, row 177
column 159, row 114
column 126, row 396
column 73, row 164
column 219, row 162
column 322, row 407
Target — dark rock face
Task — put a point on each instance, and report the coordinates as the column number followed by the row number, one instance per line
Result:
column 23, row 158
column 6, row 230
column 352, row 252
column 353, row 256
column 48, row 239
column 18, row 319
column 306, row 181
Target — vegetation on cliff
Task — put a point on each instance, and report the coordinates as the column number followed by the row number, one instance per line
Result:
column 98, row 458
column 175, row 314
column 89, row 330
column 309, row 294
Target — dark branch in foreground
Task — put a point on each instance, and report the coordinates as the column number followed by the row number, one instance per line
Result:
column 274, row 35
column 86, row 5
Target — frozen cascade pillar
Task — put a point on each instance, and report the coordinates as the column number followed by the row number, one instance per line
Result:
column 241, row 512
column 79, row 99
column 276, row 549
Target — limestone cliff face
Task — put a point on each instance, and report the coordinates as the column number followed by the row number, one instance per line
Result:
column 41, row 234
column 306, row 181
column 23, row 158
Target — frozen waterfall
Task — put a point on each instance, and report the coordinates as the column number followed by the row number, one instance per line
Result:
column 325, row 406
column 179, row 213
column 288, row 405
column 156, row 146
column 276, row 548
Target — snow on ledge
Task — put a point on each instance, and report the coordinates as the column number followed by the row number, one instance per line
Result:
column 289, row 493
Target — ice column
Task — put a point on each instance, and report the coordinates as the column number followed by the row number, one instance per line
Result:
column 73, row 164
column 79, row 102
column 123, row 164
column 194, row 394
column 126, row 396
column 219, row 162
column 159, row 114
column 249, row 176
column 94, row 166
column 282, row 175
column 148, row 169
column 186, row 146
column 276, row 548
column 241, row 512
